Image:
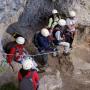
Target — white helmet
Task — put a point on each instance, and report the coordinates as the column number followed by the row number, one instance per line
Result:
column 20, row 40
column 62, row 22
column 72, row 13
column 45, row 32
column 54, row 11
column 27, row 64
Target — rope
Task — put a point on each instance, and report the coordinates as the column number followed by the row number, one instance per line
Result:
column 42, row 53
column 4, row 61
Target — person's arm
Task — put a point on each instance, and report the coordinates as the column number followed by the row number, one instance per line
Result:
column 19, row 76
column 54, row 24
column 36, row 78
column 58, row 36
column 11, row 55
column 50, row 22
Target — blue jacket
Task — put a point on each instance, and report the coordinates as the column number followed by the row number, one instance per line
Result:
column 43, row 42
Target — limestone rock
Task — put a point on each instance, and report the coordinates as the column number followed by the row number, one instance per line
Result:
column 8, row 8
column 51, row 82
column 32, row 15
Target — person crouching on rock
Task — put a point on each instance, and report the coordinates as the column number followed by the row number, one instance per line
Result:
column 53, row 19
column 16, row 53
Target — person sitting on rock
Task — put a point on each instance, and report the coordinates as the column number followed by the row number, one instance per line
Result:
column 58, row 35
column 71, row 27
column 53, row 19
column 27, row 76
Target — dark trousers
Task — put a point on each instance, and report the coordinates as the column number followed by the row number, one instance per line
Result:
column 69, row 39
column 45, row 58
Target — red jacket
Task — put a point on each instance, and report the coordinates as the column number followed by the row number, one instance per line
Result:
column 15, row 53
column 35, row 78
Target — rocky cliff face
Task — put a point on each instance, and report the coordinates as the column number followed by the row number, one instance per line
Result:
column 32, row 15
column 8, row 8
column 82, row 7
column 28, row 16
column 37, row 9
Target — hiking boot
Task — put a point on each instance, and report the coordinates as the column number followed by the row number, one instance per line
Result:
column 66, row 54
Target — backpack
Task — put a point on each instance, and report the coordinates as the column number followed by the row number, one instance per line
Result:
column 8, row 46
column 15, row 35
column 27, row 83
column 35, row 41
column 57, row 28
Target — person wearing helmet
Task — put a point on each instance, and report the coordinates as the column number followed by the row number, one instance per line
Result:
column 27, row 71
column 71, row 21
column 16, row 51
column 71, row 27
column 44, row 44
column 54, row 18
column 58, row 35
